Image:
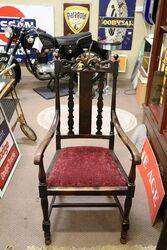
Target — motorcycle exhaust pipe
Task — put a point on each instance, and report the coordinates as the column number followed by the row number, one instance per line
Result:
column 7, row 69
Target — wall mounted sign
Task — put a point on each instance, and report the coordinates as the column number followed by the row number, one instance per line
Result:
column 33, row 15
column 9, row 153
column 76, row 18
column 116, row 22
column 151, row 177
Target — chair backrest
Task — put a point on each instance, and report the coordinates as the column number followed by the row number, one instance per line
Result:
column 85, row 104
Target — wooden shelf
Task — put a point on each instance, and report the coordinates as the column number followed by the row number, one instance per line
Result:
column 164, row 28
column 155, row 109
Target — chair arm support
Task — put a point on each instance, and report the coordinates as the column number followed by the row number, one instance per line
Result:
column 43, row 145
column 136, row 157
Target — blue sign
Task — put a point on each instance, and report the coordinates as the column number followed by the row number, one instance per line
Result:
column 4, row 22
column 116, row 22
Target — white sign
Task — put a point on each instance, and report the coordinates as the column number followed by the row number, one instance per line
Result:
column 39, row 16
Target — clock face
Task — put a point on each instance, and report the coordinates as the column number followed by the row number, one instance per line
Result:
column 116, row 9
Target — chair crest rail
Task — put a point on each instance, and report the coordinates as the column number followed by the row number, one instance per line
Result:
column 86, row 63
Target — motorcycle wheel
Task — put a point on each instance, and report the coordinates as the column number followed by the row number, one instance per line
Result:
column 11, row 74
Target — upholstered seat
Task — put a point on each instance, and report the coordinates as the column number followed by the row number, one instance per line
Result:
column 85, row 167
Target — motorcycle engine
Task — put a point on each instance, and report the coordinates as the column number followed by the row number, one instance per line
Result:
column 45, row 63
column 46, row 68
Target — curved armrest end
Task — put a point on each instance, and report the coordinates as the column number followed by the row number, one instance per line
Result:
column 43, row 145
column 136, row 156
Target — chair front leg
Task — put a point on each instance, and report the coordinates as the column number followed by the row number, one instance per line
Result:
column 125, row 221
column 44, row 203
column 128, row 203
column 46, row 221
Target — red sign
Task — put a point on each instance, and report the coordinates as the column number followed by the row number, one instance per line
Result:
column 9, row 153
column 8, row 165
column 9, row 11
column 151, row 177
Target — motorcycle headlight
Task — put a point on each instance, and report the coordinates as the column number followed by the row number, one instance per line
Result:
column 8, row 32
column 30, row 39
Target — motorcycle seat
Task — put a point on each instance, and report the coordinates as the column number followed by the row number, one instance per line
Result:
column 83, row 38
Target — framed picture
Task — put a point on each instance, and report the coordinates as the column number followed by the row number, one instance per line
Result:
column 9, row 153
column 76, row 18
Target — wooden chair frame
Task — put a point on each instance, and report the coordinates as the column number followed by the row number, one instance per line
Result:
column 85, row 132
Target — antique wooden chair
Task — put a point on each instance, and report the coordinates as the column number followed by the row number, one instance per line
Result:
column 85, row 170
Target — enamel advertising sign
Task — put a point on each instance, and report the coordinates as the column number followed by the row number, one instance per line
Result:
column 9, row 153
column 32, row 15
column 76, row 18
column 116, row 22
column 151, row 177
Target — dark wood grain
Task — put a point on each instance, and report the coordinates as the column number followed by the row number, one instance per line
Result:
column 162, row 242
column 71, row 106
column 156, row 126
column 156, row 47
column 57, row 102
column 158, row 143
column 85, row 102
column 100, row 106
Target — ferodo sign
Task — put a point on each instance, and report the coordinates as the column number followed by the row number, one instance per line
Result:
column 9, row 153
column 76, row 18
column 32, row 15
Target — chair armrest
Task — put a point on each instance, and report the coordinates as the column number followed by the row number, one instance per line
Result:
column 129, row 144
column 43, row 145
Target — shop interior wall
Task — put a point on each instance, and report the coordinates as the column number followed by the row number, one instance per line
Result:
column 140, row 29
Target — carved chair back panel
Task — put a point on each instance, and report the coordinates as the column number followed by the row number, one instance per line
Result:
column 85, row 102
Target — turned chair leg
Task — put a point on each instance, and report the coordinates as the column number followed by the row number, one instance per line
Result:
column 125, row 222
column 46, row 221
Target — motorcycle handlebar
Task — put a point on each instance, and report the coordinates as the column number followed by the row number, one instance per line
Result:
column 40, row 30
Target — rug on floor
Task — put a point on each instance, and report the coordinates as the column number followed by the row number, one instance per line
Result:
column 47, row 94
column 109, row 247
column 128, row 121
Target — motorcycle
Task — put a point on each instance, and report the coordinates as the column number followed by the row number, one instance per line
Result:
column 40, row 49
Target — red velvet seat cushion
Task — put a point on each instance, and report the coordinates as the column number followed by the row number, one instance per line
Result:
column 85, row 167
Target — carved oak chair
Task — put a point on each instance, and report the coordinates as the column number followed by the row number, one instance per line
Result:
column 85, row 170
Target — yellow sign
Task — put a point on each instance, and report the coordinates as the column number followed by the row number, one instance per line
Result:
column 76, row 17
column 107, row 22
column 122, row 63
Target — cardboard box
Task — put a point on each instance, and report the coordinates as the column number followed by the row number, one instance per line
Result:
column 141, row 92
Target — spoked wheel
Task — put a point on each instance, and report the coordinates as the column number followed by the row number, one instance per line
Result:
column 28, row 131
